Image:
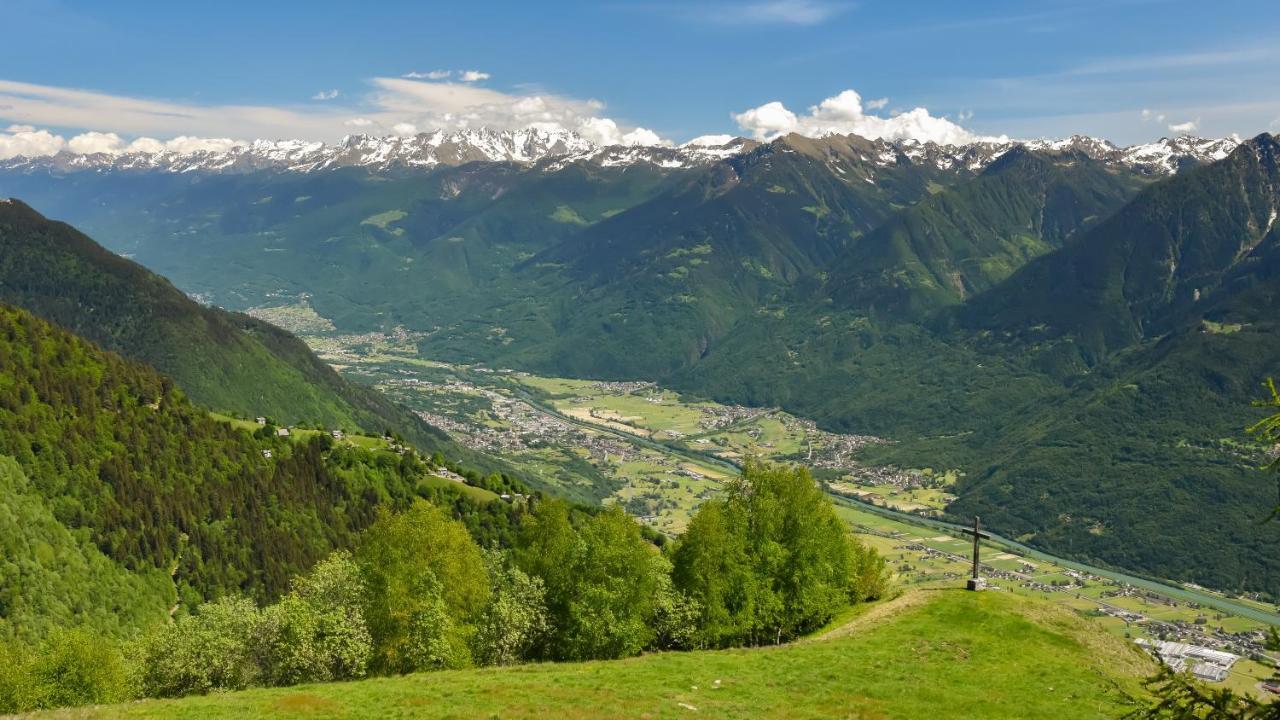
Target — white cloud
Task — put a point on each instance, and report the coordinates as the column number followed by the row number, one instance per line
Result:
column 843, row 114
column 469, row 76
column 91, row 143
column 603, row 131
column 429, row 75
column 758, row 12
column 1184, row 128
column 767, row 121
column 643, row 136
column 394, row 105
column 38, row 143
column 1149, row 115
column 709, row 141
column 455, row 106
column 187, row 144
column 877, row 104
column 1146, row 64
column 325, row 95
column 30, row 143
column 51, row 106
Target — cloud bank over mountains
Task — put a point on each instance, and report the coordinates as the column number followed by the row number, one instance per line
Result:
column 845, row 114
column 406, row 105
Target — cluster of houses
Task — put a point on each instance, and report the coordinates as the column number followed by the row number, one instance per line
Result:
column 521, row 426
column 336, row 434
column 1250, row 643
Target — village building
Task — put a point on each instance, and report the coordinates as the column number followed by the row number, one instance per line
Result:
column 1205, row 663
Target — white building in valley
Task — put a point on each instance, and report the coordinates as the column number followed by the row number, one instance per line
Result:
column 1205, row 663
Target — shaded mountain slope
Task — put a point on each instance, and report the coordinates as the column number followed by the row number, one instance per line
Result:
column 224, row 360
column 1179, row 248
column 969, row 237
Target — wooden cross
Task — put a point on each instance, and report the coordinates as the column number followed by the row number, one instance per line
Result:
column 975, row 582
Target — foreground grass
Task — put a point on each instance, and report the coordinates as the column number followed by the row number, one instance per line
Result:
column 930, row 654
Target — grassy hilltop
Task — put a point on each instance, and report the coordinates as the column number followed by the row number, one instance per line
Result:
column 927, row 654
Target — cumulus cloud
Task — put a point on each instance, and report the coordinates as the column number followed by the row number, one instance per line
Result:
column 1184, row 128
column 39, row 143
column 429, row 75
column 469, row 76
column 91, row 143
column 325, row 95
column 404, row 128
column 604, row 131
column 877, row 104
column 844, row 114
column 30, row 143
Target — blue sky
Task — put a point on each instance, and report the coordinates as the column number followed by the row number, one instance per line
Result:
column 678, row 69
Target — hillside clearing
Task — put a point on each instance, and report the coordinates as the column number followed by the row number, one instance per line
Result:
column 929, row 654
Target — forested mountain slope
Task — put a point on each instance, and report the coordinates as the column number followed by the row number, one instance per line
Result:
column 226, row 361
column 120, row 490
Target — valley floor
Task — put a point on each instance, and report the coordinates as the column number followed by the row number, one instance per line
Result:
column 928, row 654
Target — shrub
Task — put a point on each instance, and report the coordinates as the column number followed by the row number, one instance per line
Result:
column 218, row 648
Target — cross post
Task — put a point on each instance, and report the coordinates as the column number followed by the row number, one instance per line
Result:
column 975, row 582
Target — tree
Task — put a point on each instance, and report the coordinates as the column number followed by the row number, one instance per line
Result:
column 601, row 583
column 771, row 560
column 425, row 587
column 515, row 620
column 1267, row 431
column 71, row 667
column 712, row 564
column 676, row 615
column 317, row 633
column 1180, row 697
column 869, row 574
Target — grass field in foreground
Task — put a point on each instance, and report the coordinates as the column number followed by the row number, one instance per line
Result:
column 928, row 654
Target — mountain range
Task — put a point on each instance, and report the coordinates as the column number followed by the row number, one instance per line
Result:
column 551, row 149
column 1079, row 327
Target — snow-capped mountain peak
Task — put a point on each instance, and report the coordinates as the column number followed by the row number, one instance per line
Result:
column 550, row 148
